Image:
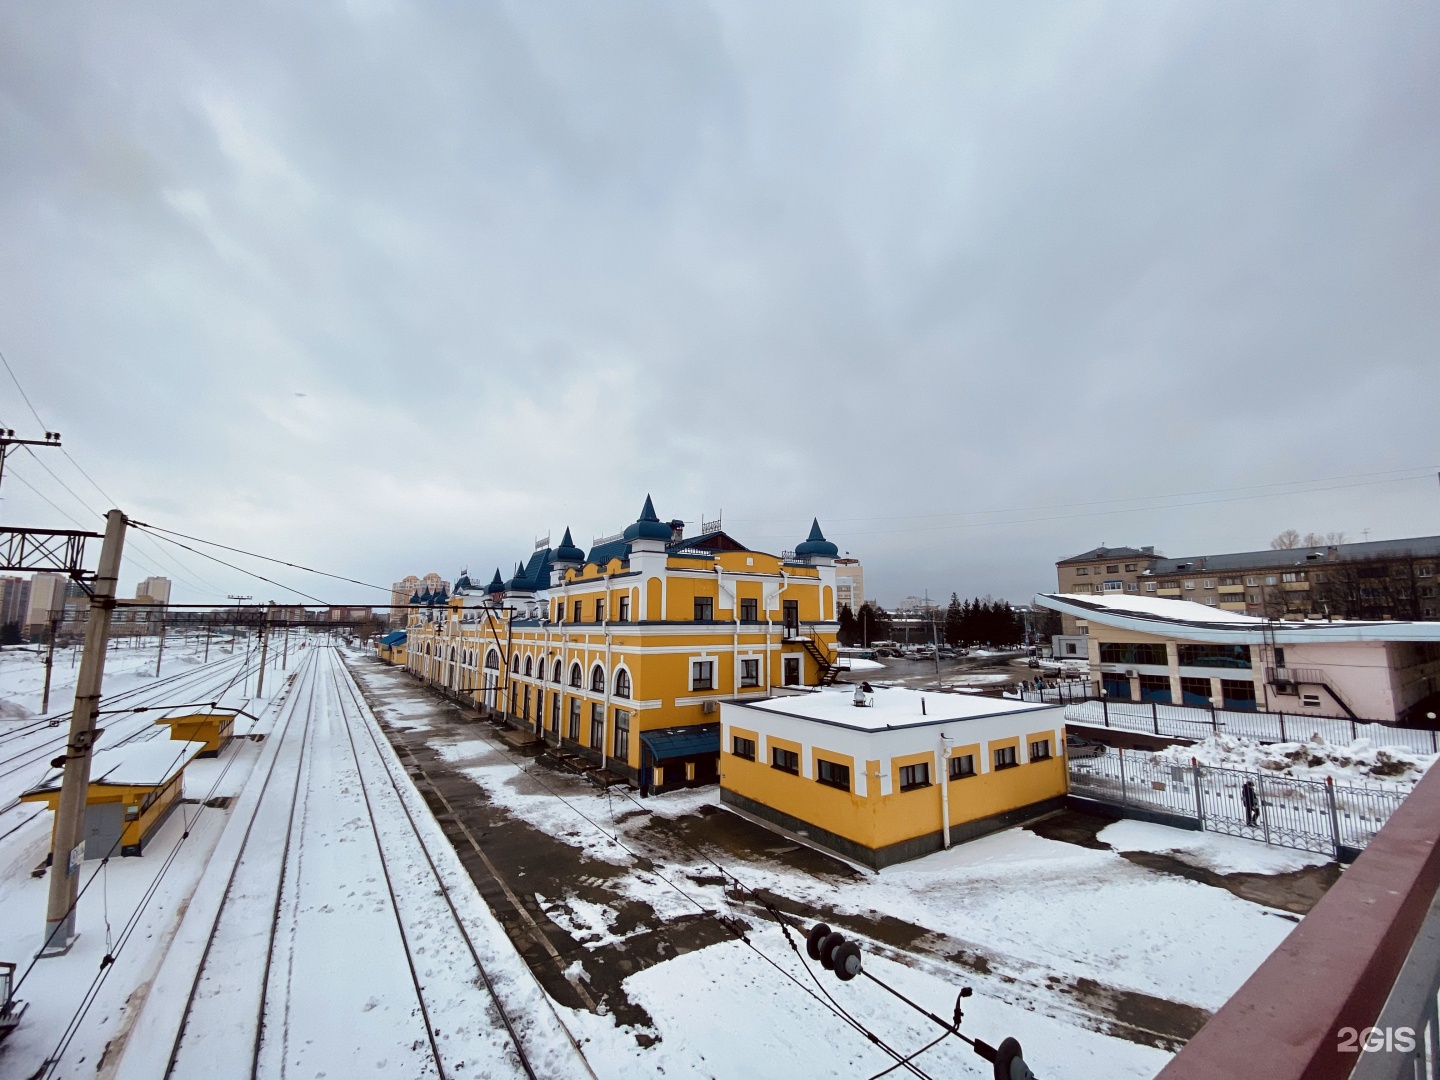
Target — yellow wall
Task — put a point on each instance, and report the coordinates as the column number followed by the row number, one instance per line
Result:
column 134, row 799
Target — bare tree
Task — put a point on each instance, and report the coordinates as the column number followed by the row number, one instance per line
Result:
column 1330, row 539
column 1286, row 540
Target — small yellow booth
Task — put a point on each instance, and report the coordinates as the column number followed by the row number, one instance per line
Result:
column 133, row 789
column 214, row 729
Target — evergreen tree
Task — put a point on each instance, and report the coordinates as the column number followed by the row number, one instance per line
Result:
column 849, row 632
column 953, row 621
column 10, row 634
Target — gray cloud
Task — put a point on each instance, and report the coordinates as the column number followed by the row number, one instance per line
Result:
column 527, row 262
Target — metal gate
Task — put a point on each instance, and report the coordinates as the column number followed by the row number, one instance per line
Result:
column 1329, row 819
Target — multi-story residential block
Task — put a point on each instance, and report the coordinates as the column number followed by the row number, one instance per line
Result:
column 622, row 654
column 413, row 588
column 849, row 584
column 14, row 602
column 154, row 589
column 47, row 602
column 1378, row 579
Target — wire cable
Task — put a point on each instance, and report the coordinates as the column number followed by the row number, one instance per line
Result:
column 232, row 566
column 254, row 555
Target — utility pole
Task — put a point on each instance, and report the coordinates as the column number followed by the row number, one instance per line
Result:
column 8, row 439
column 67, row 851
column 160, row 650
column 264, row 646
column 207, row 644
column 50, row 659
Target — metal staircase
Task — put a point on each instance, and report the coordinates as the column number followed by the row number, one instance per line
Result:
column 829, row 671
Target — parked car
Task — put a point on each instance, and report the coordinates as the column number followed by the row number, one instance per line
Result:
column 1077, row 747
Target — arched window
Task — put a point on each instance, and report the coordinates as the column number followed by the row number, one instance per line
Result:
column 597, row 679
column 622, row 683
column 492, row 660
column 575, row 675
column 559, row 670
column 527, row 666
column 515, row 663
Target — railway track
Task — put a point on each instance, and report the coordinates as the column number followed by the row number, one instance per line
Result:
column 332, row 856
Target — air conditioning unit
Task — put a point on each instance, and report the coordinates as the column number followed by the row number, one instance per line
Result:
column 708, row 707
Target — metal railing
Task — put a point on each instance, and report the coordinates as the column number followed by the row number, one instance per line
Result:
column 1309, row 815
column 1187, row 722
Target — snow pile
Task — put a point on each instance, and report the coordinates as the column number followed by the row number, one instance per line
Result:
column 1316, row 759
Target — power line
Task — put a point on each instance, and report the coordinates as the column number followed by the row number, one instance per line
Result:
column 254, row 555
column 232, row 566
column 24, row 395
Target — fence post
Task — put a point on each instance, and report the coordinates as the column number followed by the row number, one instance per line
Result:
column 1334, row 815
column 1155, row 717
column 1199, row 801
column 1282, row 727
column 1123, row 797
column 1434, row 748
column 1214, row 725
column 1354, row 734
column 1105, row 708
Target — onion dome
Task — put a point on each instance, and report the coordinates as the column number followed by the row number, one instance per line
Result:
column 567, row 551
column 496, row 585
column 816, row 544
column 648, row 526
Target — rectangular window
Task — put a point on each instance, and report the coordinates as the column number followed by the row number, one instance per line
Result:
column 597, row 726
column 1425, row 571
column 914, row 776
column 743, row 748
column 1115, row 685
column 1210, row 600
column 622, row 735
column 702, row 675
column 1270, row 579
column 1155, row 688
column 1252, row 581
column 1310, row 701
column 1129, row 567
column 559, row 611
column 1294, row 575
column 1113, row 568
column 1150, row 586
column 1217, row 656
column 1128, row 652
column 785, row 760
column 1238, row 695
column 622, row 613
column 1040, row 750
column 1190, row 585
column 749, row 672
column 1114, row 586
column 572, row 731
column 579, row 616
column 1229, row 581
column 1005, row 757
column 1207, row 583
column 961, row 766
column 1082, row 571
column 704, row 609
column 1195, row 692
column 555, row 711
column 599, row 610
column 832, row 773
column 750, row 610
column 791, row 611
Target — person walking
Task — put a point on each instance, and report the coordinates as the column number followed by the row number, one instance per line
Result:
column 1252, row 803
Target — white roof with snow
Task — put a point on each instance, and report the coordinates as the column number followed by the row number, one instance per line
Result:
column 1200, row 622
column 140, row 764
column 892, row 707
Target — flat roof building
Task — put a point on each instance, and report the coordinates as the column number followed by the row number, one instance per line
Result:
column 1151, row 649
column 907, row 774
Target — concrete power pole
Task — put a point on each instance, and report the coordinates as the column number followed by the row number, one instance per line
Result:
column 67, row 851
column 264, row 648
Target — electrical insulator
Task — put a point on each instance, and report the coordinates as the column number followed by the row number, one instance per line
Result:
column 1008, row 1063
column 834, row 951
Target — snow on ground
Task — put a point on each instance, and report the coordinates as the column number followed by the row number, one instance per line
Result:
column 1208, row 850
column 1035, row 907
column 1362, row 761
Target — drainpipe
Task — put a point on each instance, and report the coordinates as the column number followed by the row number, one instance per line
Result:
column 945, row 741
column 780, row 599
column 605, row 723
column 735, row 614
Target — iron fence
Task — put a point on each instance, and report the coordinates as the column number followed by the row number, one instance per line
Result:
column 1188, row 722
column 1308, row 815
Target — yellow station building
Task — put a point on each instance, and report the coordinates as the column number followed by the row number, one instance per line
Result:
column 623, row 654
column 908, row 773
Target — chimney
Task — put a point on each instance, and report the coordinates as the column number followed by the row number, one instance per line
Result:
column 677, row 530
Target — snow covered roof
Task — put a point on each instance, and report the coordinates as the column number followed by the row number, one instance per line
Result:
column 891, row 707
column 1200, row 622
column 139, row 764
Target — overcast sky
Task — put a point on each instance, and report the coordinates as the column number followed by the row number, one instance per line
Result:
column 396, row 288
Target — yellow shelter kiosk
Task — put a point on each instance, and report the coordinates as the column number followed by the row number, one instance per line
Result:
column 214, row 729
column 900, row 774
column 133, row 790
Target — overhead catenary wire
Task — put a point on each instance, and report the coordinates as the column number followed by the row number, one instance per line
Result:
column 826, row 1002
column 255, row 555
column 232, row 566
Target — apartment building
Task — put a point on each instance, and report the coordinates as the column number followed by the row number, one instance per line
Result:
column 1379, row 579
column 849, row 584
column 14, row 601
column 621, row 655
